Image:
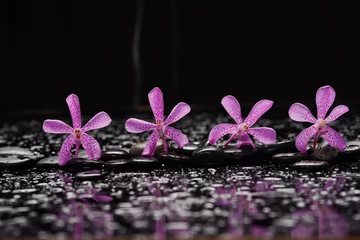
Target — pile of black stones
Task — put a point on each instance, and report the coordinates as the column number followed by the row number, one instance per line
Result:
column 200, row 190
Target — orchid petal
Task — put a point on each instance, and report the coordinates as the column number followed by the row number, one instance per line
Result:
column 325, row 97
column 65, row 150
column 221, row 130
column 74, row 106
column 150, row 147
column 56, row 126
column 300, row 113
column 178, row 112
column 303, row 138
column 135, row 125
column 263, row 134
column 156, row 100
column 244, row 139
column 336, row 112
column 334, row 138
column 232, row 106
column 257, row 111
column 100, row 120
column 179, row 138
column 91, row 146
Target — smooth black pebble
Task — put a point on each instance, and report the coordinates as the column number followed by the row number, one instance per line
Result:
column 145, row 161
column 117, row 163
column 325, row 154
column 49, row 162
column 173, row 158
column 15, row 161
column 310, row 165
column 289, row 158
column 279, row 147
column 115, row 154
column 137, row 148
column 352, row 149
column 188, row 149
column 208, row 156
column 84, row 163
column 91, row 175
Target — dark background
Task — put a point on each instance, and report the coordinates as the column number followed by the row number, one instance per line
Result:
column 195, row 51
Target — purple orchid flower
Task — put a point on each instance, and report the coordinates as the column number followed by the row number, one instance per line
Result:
column 241, row 130
column 325, row 97
column 161, row 129
column 77, row 133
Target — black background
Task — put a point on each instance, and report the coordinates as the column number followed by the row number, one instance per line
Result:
column 195, row 51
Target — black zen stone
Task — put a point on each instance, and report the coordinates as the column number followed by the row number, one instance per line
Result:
column 289, row 158
column 279, row 147
column 325, row 154
column 208, row 156
column 117, row 163
column 90, row 175
column 145, row 161
column 49, row 162
column 310, row 165
column 352, row 149
column 137, row 148
column 188, row 149
column 115, row 154
column 84, row 163
column 173, row 158
column 15, row 161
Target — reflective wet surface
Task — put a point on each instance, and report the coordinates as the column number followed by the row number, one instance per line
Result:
column 256, row 196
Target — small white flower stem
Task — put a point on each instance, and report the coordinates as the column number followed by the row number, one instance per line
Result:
column 77, row 150
column 230, row 139
column 165, row 144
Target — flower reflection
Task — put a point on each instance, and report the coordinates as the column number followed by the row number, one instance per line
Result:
column 83, row 211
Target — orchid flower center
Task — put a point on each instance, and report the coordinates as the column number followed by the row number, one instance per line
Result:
column 243, row 127
column 320, row 125
column 77, row 134
column 160, row 128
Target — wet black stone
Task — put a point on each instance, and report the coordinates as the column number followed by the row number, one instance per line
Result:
column 15, row 151
column 325, row 153
column 115, row 154
column 208, row 156
column 173, row 158
column 91, row 175
column 188, row 149
column 310, row 165
column 289, row 158
column 279, row 147
column 137, row 148
column 145, row 161
column 49, row 162
column 117, row 163
column 234, row 153
column 84, row 163
column 352, row 149
column 15, row 161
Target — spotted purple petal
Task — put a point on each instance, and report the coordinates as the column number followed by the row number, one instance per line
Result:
column 334, row 138
column 179, row 138
column 56, row 126
column 150, row 147
column 178, row 112
column 100, row 120
column 65, row 150
column 74, row 106
column 221, row 130
column 300, row 113
column 263, row 134
column 244, row 139
column 232, row 106
column 257, row 111
column 156, row 100
column 325, row 97
column 303, row 138
column 336, row 112
column 91, row 146
column 135, row 125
